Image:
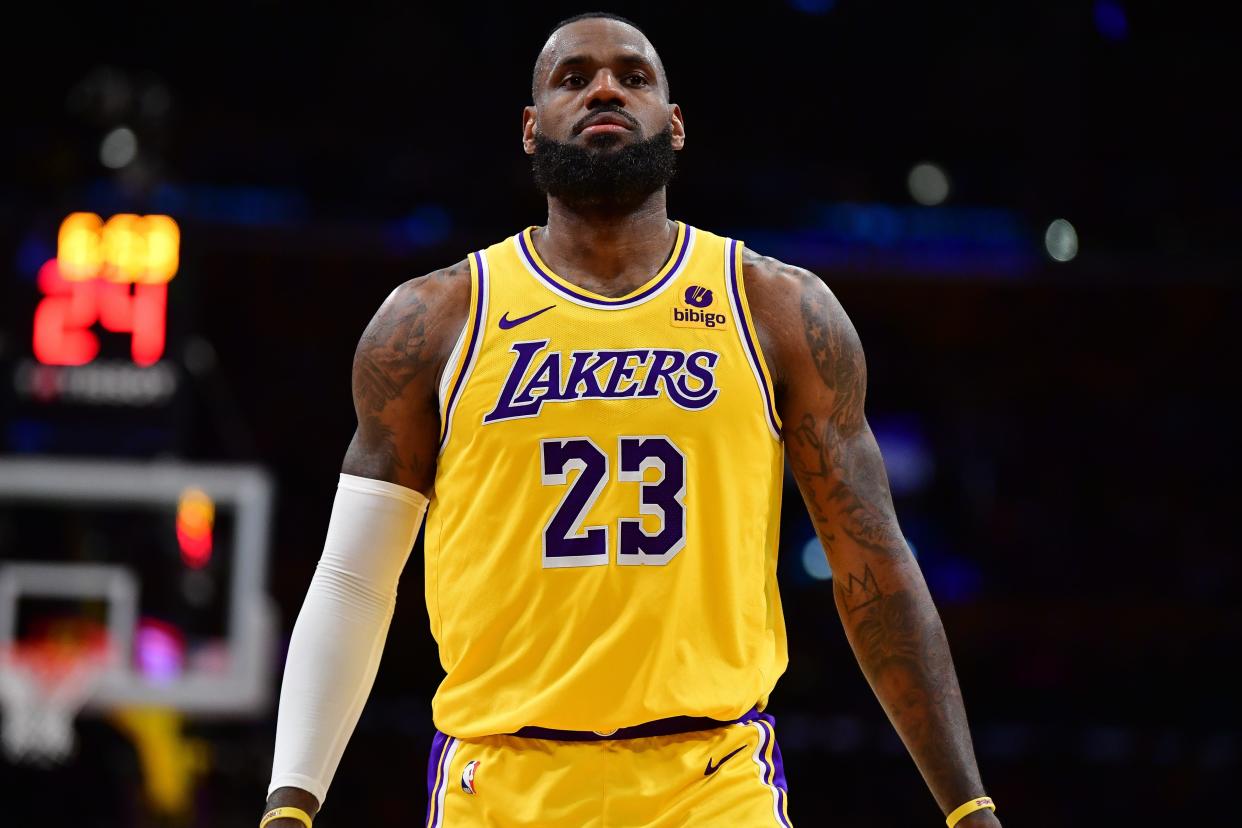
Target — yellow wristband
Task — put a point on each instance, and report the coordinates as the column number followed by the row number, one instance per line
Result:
column 293, row 813
column 969, row 808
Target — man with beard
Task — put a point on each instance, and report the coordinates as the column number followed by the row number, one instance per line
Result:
column 601, row 450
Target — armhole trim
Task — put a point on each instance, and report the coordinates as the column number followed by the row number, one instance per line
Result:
column 450, row 372
column 471, row 337
column 746, row 334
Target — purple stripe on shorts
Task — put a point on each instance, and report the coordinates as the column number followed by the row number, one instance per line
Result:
column 606, row 303
column 439, row 747
column 777, row 768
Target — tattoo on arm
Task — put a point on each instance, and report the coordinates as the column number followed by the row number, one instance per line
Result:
column 381, row 452
column 902, row 649
column 834, row 453
column 838, row 360
column 394, row 381
column 390, row 354
column 888, row 633
column 888, row 615
column 859, row 593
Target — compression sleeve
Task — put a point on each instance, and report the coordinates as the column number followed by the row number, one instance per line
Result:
column 337, row 640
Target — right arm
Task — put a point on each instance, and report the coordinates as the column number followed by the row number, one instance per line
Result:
column 335, row 647
column 397, row 370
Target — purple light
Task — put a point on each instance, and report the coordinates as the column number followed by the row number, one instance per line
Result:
column 953, row 580
column 31, row 254
column 907, row 455
column 159, row 650
column 1110, row 20
column 813, row 6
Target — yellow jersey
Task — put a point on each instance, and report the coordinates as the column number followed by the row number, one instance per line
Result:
column 601, row 543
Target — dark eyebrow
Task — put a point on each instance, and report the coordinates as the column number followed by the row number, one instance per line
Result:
column 627, row 58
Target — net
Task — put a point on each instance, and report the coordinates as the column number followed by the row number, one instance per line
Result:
column 43, row 686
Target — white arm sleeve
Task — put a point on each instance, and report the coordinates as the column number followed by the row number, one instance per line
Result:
column 339, row 635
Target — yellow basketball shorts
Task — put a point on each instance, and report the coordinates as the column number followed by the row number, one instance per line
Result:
column 729, row 776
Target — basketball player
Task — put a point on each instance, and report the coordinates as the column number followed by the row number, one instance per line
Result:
column 594, row 414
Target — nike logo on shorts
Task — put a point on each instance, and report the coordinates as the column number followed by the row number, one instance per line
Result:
column 712, row 769
column 506, row 323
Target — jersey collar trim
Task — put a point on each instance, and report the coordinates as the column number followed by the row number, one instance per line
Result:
column 657, row 285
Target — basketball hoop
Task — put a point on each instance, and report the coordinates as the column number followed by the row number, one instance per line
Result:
column 43, row 686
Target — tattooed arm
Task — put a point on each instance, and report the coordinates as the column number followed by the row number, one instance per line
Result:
column 396, row 371
column 397, row 368
column 880, row 593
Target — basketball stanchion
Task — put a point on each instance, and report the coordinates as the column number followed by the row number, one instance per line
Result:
column 135, row 593
column 171, row 763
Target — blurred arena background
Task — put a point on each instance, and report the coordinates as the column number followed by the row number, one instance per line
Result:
column 1031, row 211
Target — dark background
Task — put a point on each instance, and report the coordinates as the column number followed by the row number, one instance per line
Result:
column 1060, row 435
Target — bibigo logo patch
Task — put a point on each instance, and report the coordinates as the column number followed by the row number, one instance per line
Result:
column 698, row 314
column 698, row 296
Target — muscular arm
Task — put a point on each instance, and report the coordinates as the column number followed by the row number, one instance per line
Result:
column 396, row 373
column 397, row 369
column 880, row 594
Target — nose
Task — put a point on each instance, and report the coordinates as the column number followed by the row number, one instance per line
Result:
column 605, row 90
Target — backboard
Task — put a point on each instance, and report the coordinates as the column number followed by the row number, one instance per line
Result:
column 171, row 559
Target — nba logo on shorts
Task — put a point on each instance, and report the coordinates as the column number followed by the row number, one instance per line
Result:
column 698, row 297
column 467, row 776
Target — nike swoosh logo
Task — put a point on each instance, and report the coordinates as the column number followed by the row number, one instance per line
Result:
column 710, row 769
column 506, row 323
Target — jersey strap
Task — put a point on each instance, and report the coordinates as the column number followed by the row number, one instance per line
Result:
column 461, row 363
column 746, row 332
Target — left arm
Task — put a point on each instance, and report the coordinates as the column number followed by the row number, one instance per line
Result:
column 881, row 597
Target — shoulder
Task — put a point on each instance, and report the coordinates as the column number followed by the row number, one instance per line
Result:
column 771, row 273
column 441, row 292
column 794, row 311
column 772, row 286
column 413, row 331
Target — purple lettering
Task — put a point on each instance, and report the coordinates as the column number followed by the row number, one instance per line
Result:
column 585, row 364
column 700, row 365
column 547, row 379
column 689, row 380
column 624, row 371
column 505, row 409
column 663, row 364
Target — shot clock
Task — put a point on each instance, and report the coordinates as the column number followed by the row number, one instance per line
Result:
column 112, row 275
column 90, row 370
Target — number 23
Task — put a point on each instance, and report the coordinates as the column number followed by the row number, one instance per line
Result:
column 567, row 543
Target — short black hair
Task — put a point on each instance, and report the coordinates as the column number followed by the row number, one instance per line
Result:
column 534, row 78
column 589, row 16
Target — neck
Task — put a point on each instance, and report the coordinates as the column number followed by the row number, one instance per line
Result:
column 610, row 252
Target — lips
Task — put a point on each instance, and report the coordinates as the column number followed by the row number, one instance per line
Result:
column 605, row 119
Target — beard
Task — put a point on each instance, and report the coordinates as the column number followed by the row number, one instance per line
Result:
column 606, row 179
